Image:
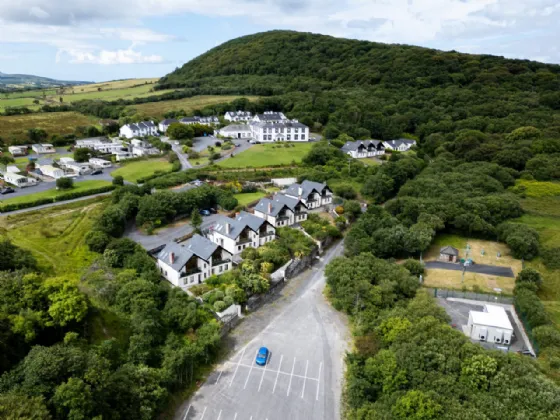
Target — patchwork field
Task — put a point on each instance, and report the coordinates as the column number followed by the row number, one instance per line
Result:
column 14, row 128
column 56, row 235
column 158, row 109
column 135, row 170
column 78, row 187
column 263, row 155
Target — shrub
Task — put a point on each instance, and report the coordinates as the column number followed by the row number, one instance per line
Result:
column 346, row 191
column 522, row 240
column 547, row 336
column 416, row 268
column 228, row 300
column 530, row 306
column 219, row 305
column 339, row 209
column 64, row 183
column 97, row 241
column 551, row 258
column 200, row 289
column 118, row 180
column 529, row 275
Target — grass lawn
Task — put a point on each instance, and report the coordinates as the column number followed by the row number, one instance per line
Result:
column 157, row 109
column 56, row 235
column 246, row 198
column 369, row 162
column 78, row 186
column 135, row 170
column 490, row 248
column 452, row 280
column 263, row 155
column 15, row 127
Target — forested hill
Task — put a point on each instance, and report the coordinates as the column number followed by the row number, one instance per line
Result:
column 368, row 89
column 336, row 62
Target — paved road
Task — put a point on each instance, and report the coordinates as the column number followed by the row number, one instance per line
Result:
column 492, row 270
column 201, row 143
column 303, row 377
column 58, row 203
column 178, row 149
column 166, row 234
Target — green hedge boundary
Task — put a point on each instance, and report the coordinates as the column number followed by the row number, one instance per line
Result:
column 64, row 197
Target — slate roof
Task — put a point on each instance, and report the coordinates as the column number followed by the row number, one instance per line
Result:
column 307, row 188
column 449, row 250
column 354, row 145
column 250, row 220
column 236, row 127
column 286, row 124
column 143, row 125
column 239, row 113
column 198, row 245
column 189, row 119
column 271, row 116
column 200, row 119
column 278, row 203
column 394, row 144
column 168, row 121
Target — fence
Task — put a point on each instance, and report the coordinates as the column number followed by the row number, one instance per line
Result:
column 483, row 297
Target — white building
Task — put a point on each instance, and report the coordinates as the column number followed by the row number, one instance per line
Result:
column 400, row 145
column 492, row 325
column 364, row 148
column 19, row 180
column 123, row 155
column 280, row 131
column 190, row 263
column 49, row 170
column 246, row 230
column 281, row 210
column 200, row 120
column 12, row 169
column 237, row 116
column 80, row 168
column 100, row 163
column 141, row 129
column 164, row 125
column 101, row 145
column 312, row 194
column 63, row 161
column 270, row 117
column 17, row 150
column 235, row 131
column 43, row 148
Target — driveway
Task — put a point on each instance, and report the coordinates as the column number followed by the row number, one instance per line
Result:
column 492, row 270
column 178, row 149
column 167, row 234
column 304, row 374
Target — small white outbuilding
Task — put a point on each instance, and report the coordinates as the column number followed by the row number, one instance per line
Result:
column 492, row 325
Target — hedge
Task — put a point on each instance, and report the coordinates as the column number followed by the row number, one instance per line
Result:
column 62, row 197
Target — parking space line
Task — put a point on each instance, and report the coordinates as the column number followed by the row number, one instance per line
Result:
column 278, row 373
column 295, row 375
column 291, row 376
column 264, row 370
column 238, row 363
column 250, row 370
column 187, row 413
column 319, row 380
column 219, row 376
column 204, row 412
column 304, row 379
column 235, row 416
column 219, row 415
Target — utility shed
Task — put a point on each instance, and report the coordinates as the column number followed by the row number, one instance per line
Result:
column 492, row 325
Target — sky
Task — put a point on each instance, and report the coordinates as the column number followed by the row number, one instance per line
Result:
column 99, row 40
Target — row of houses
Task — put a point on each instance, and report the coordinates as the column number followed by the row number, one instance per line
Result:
column 43, row 148
column 192, row 262
column 369, row 148
column 117, row 147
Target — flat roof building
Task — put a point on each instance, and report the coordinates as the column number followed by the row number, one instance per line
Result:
column 492, row 325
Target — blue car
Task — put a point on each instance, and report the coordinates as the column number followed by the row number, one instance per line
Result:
column 262, row 356
column 205, row 212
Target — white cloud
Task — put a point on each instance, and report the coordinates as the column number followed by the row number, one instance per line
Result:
column 486, row 26
column 105, row 57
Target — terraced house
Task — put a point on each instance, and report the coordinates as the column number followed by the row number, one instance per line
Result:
column 281, row 210
column 141, row 129
column 190, row 263
column 364, row 148
column 245, row 231
column 312, row 194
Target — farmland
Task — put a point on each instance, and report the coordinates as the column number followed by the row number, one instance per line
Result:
column 14, row 128
column 55, row 235
column 263, row 155
column 158, row 109
column 135, row 170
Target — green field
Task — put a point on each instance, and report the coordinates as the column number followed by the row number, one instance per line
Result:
column 14, row 128
column 537, row 189
column 246, row 198
column 157, row 109
column 78, row 187
column 263, row 155
column 56, row 235
column 135, row 170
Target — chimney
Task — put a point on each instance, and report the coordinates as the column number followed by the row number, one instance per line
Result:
column 300, row 192
column 228, row 228
column 269, row 208
column 172, row 257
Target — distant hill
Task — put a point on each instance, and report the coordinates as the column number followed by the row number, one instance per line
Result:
column 19, row 81
column 380, row 90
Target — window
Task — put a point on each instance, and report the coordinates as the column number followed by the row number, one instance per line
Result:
column 289, row 136
column 296, row 137
column 303, row 136
column 239, row 248
column 296, row 130
column 221, row 268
